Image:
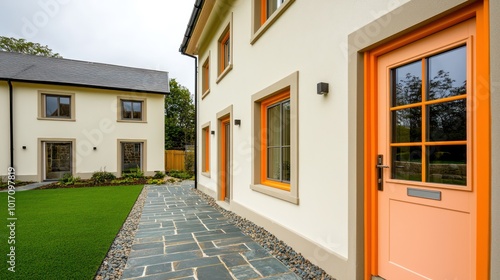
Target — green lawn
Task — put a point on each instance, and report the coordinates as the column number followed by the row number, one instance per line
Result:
column 63, row 233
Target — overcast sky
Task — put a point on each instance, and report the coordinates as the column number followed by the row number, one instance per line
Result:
column 137, row 33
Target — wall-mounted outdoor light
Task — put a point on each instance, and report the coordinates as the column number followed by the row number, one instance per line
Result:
column 95, row 148
column 237, row 122
column 212, row 132
column 322, row 88
column 24, row 147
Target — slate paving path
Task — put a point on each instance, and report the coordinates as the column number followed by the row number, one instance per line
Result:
column 181, row 237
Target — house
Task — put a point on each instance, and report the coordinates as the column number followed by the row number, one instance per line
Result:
column 364, row 134
column 63, row 116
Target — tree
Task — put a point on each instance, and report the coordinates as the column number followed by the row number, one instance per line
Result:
column 179, row 117
column 26, row 47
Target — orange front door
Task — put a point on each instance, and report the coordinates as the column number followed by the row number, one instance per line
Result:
column 426, row 157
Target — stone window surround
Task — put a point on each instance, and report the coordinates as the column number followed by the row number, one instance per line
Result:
column 131, row 98
column 41, row 105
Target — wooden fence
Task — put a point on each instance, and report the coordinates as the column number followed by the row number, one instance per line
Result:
column 175, row 160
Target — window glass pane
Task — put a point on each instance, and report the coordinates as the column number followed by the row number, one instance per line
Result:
column 227, row 54
column 447, row 74
column 137, row 109
column 406, row 125
column 286, row 163
column 447, row 121
column 272, row 6
column 407, row 84
column 285, row 123
column 447, row 164
column 407, row 163
column 274, row 163
column 274, row 126
column 51, row 106
column 126, row 109
column 64, row 106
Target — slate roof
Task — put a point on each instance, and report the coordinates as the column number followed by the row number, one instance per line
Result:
column 48, row 70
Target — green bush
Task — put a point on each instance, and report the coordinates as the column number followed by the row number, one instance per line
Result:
column 153, row 181
column 135, row 173
column 68, row 179
column 184, row 175
column 122, row 181
column 159, row 175
column 100, row 177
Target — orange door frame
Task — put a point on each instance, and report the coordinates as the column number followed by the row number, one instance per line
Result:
column 483, row 146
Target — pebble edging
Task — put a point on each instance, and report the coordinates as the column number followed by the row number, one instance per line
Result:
column 279, row 249
column 113, row 264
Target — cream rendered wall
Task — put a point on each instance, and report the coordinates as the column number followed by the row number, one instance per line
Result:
column 4, row 126
column 310, row 39
column 95, row 125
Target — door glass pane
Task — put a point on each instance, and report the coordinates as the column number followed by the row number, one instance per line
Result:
column 406, row 125
column 407, row 84
column 447, row 164
column 407, row 163
column 447, row 73
column 131, row 156
column 58, row 160
column 447, row 121
column 273, row 163
column 274, row 126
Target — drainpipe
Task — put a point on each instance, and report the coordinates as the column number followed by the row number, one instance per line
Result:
column 198, row 5
column 195, row 119
column 11, row 114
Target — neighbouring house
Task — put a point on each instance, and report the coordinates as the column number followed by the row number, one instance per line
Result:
column 63, row 116
column 365, row 134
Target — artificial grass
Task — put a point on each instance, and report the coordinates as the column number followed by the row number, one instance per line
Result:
column 63, row 233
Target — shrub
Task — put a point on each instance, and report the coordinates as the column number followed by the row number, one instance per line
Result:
column 122, row 181
column 184, row 175
column 159, row 175
column 135, row 173
column 154, row 181
column 68, row 179
column 100, row 177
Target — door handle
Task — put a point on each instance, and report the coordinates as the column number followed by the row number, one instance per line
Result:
column 380, row 174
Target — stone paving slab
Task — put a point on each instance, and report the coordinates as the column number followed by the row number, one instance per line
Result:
column 181, row 237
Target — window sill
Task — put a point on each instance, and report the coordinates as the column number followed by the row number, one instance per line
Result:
column 56, row 119
column 206, row 174
column 205, row 94
column 224, row 73
column 131, row 121
column 274, row 17
column 274, row 192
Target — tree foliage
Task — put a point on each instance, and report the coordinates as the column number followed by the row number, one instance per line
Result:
column 11, row 44
column 179, row 117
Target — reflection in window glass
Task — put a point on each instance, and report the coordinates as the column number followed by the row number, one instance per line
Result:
column 407, row 84
column 131, row 157
column 447, row 121
column 131, row 110
column 447, row 73
column 407, row 163
column 272, row 6
column 447, row 164
column 407, row 125
column 57, row 106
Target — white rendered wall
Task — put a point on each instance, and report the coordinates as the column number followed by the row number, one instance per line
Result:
column 95, row 125
column 310, row 39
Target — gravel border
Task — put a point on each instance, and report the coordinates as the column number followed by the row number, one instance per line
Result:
column 279, row 249
column 113, row 264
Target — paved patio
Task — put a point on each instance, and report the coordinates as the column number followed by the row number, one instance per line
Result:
column 181, row 237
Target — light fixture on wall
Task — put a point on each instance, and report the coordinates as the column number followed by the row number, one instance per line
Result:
column 322, row 88
column 95, row 148
column 24, row 147
column 237, row 122
column 212, row 132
